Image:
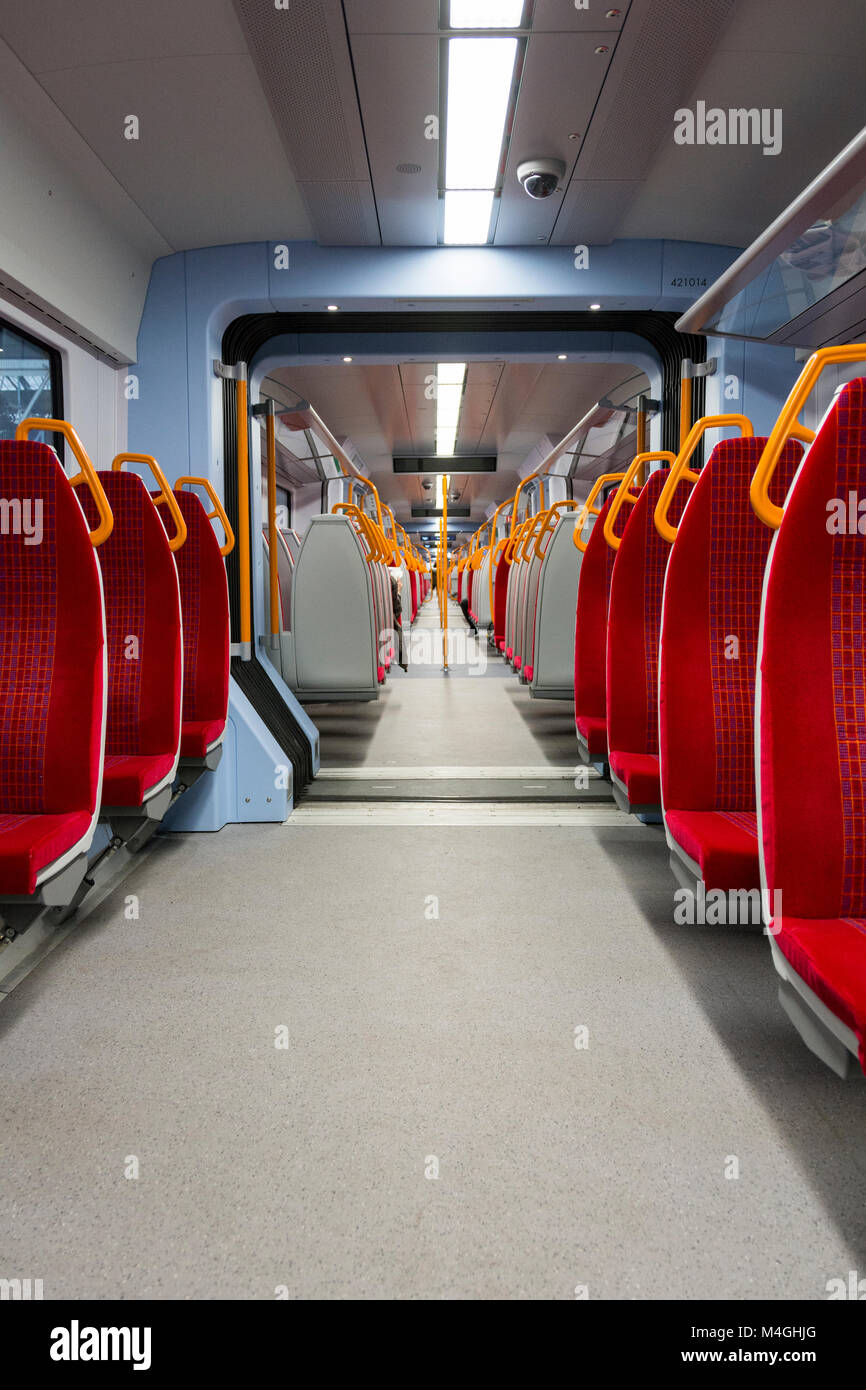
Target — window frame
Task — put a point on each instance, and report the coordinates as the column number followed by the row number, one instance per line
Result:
column 55, row 368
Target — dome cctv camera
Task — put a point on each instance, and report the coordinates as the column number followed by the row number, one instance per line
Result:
column 540, row 177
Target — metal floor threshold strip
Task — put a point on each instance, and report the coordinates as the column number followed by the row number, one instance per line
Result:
column 457, row 813
column 521, row 785
column 390, row 774
column 453, row 789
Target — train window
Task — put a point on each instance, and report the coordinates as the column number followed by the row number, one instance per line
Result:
column 284, row 508
column 30, row 380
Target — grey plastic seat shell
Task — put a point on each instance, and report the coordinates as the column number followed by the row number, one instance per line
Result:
column 553, row 664
column 331, row 651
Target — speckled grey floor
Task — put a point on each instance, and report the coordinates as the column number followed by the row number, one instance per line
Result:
column 411, row 1038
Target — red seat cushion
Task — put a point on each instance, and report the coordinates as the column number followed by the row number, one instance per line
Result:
column 126, row 781
column 527, row 671
column 829, row 954
column 28, row 844
column 723, row 843
column 52, row 643
column 639, row 774
column 198, row 735
column 593, row 731
column 590, row 633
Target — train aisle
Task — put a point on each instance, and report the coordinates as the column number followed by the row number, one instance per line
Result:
column 476, row 1062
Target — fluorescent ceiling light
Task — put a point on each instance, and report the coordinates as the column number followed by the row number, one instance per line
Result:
column 446, row 442
column 467, row 218
column 480, row 74
column 486, row 14
column 450, row 377
column 450, row 373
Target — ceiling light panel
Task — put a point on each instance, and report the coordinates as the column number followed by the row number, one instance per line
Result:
column 480, row 74
column 467, row 217
column 486, row 14
column 450, row 377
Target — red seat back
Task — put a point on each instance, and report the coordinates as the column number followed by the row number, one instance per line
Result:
column 709, row 640
column 204, row 599
column 143, row 622
column 52, row 640
column 634, row 621
column 812, row 689
column 590, row 637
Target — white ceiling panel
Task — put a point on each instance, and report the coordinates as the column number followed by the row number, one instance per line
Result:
column 392, row 16
column 730, row 193
column 592, row 211
column 395, row 120
column 562, row 77
column 87, row 33
column 208, row 165
column 563, row 15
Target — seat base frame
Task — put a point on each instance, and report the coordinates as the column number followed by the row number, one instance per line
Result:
column 822, row 1032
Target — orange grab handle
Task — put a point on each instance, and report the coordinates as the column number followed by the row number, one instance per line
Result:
column 549, row 517
column 219, row 511
column 623, row 495
column 680, row 468
column 165, row 493
column 590, row 509
column 367, row 529
column 88, row 473
column 788, row 426
column 530, row 532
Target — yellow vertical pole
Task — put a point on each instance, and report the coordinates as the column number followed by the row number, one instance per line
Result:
column 685, row 404
column 641, row 440
column 273, row 540
column 246, row 626
column 445, row 562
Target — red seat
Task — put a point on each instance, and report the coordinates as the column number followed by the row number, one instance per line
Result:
column 638, row 776
column 204, row 599
column 590, row 638
column 52, row 674
column 723, row 844
column 592, row 732
column 634, row 624
column 709, row 644
column 500, row 599
column 829, row 955
column 127, row 781
column 30, row 843
column 144, row 639
column 812, row 722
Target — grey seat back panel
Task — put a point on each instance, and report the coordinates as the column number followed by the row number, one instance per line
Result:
column 557, row 606
column 334, row 619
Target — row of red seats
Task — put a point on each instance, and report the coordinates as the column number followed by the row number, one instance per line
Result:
column 114, row 652
column 693, row 614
